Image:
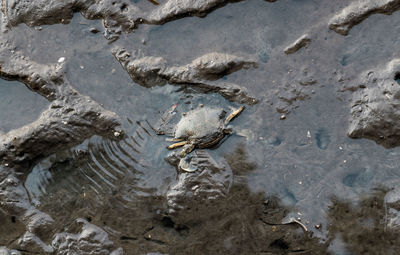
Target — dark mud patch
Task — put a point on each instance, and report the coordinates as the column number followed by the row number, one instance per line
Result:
column 362, row 226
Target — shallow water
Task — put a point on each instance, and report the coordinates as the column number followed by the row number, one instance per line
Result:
column 19, row 106
column 304, row 161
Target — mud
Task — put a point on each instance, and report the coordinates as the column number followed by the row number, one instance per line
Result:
column 373, row 109
column 70, row 119
column 199, row 74
column 358, row 11
column 88, row 174
column 173, row 9
column 302, row 42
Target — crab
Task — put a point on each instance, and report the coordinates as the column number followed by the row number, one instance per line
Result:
column 202, row 128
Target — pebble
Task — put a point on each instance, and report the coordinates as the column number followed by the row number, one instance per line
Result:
column 283, row 116
column 117, row 134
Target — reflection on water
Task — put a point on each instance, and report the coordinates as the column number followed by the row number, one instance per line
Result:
column 93, row 183
column 363, row 227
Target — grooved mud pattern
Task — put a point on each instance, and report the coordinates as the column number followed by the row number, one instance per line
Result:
column 199, row 127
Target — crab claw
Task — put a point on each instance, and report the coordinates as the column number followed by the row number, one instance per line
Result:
column 176, row 145
column 233, row 115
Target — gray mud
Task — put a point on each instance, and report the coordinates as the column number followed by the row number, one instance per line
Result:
column 311, row 165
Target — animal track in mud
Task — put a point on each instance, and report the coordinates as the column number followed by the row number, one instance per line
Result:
column 100, row 167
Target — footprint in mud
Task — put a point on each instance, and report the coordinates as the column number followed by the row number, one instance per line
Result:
column 360, row 178
column 323, row 138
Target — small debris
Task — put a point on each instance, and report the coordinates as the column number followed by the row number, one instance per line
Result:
column 308, row 134
column 117, row 134
column 94, row 30
column 6, row 165
column 81, row 67
column 283, row 116
column 60, row 60
column 317, row 226
column 301, row 224
column 64, row 122
column 154, row 2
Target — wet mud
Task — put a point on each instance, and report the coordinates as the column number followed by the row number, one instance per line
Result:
column 309, row 167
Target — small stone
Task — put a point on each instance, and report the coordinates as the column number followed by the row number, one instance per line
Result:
column 62, row 59
column 317, row 226
column 117, row 134
column 283, row 116
column 5, row 164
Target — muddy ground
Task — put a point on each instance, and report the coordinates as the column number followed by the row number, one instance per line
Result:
column 309, row 167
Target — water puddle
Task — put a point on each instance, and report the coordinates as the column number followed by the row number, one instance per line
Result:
column 19, row 105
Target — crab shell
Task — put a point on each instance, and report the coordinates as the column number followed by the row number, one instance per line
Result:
column 202, row 127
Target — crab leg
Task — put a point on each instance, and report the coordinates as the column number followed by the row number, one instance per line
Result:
column 188, row 148
column 176, row 145
column 174, row 140
column 234, row 114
